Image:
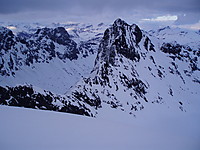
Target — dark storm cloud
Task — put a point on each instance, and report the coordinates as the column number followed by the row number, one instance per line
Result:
column 187, row 11
column 13, row 6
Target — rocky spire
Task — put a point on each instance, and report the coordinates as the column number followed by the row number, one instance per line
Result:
column 120, row 39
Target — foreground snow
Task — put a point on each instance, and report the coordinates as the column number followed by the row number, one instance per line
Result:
column 156, row 128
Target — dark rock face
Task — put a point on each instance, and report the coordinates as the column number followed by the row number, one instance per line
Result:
column 137, row 33
column 171, row 48
column 60, row 36
column 81, row 96
column 148, row 45
column 115, row 39
column 123, row 39
column 25, row 96
column 182, row 53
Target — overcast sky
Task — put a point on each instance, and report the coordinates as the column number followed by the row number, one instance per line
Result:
column 144, row 12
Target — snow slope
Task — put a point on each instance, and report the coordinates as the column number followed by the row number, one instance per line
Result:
column 23, row 129
column 53, row 76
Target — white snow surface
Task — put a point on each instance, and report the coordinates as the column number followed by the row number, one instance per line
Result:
column 156, row 128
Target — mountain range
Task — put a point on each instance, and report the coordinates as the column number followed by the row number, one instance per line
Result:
column 87, row 69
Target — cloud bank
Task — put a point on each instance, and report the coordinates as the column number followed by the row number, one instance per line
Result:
column 182, row 11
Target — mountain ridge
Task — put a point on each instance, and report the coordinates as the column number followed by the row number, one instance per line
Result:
column 131, row 70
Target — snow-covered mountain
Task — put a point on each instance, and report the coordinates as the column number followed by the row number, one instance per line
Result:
column 125, row 69
column 181, row 36
column 47, row 58
column 132, row 72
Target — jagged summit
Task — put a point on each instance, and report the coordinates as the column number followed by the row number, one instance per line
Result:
column 58, row 35
column 130, row 74
column 165, row 28
column 122, row 47
column 119, row 22
column 123, row 39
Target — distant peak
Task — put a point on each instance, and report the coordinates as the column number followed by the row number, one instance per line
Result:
column 100, row 24
column 51, row 32
column 165, row 28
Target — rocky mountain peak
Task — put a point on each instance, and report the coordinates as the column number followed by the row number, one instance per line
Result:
column 134, row 28
column 58, row 35
column 119, row 22
column 122, row 39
